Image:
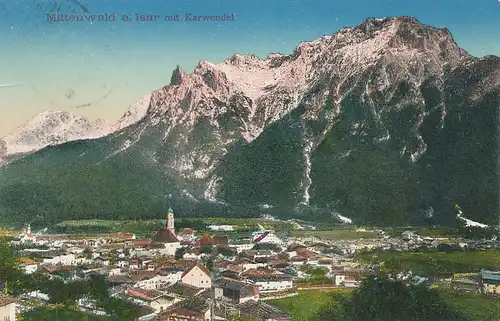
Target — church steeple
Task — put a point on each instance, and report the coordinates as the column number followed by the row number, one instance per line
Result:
column 170, row 221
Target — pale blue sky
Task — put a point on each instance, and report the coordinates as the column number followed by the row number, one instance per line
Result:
column 128, row 60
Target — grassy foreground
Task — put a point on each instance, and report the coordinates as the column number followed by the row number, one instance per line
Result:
column 306, row 304
column 477, row 306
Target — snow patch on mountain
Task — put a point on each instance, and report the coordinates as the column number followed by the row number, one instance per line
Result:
column 52, row 128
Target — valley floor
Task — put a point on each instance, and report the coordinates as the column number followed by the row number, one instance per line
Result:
column 478, row 307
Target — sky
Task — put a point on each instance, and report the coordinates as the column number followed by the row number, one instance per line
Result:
column 60, row 65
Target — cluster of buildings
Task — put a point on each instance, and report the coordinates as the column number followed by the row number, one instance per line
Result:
column 176, row 275
column 180, row 275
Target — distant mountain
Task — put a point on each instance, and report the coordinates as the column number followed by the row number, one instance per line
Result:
column 52, row 128
column 383, row 123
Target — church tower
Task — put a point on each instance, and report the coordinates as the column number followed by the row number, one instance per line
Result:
column 170, row 221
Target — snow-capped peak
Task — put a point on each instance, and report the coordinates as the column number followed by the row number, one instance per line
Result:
column 52, row 128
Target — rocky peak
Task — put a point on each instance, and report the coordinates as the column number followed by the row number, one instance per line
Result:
column 177, row 76
column 134, row 113
column 53, row 128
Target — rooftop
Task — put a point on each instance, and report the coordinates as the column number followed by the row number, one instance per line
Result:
column 165, row 236
column 184, row 290
column 6, row 300
column 262, row 311
column 146, row 295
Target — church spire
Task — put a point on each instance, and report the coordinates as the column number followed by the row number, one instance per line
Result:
column 170, row 221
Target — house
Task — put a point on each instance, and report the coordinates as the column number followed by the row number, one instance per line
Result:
column 351, row 281
column 221, row 227
column 196, row 308
column 28, row 265
column 469, row 283
column 490, row 281
column 60, row 259
column 410, row 236
column 339, row 279
column 235, row 291
column 160, row 280
column 135, row 263
column 268, row 280
column 140, row 243
column 61, row 270
column 183, row 291
column 197, row 275
column 7, row 308
column 242, row 246
column 152, row 298
column 184, row 314
column 266, row 237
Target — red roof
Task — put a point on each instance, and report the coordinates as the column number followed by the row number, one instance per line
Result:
column 260, row 237
column 181, row 312
column 200, row 266
column 127, row 236
column 141, row 242
column 6, row 300
column 255, row 290
column 143, row 294
column 187, row 231
column 206, row 240
column 165, row 236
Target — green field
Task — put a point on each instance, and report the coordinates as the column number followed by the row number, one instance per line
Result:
column 336, row 234
column 432, row 262
column 306, row 304
column 90, row 227
column 477, row 306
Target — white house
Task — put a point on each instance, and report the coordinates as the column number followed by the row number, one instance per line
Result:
column 268, row 281
column 242, row 247
column 191, row 256
column 197, row 275
column 7, row 308
column 221, row 227
column 339, row 279
column 266, row 237
column 64, row 259
column 234, row 291
column 160, row 281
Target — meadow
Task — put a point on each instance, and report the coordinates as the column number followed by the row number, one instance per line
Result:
column 430, row 263
column 307, row 303
column 478, row 307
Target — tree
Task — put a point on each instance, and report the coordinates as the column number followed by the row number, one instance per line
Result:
column 206, row 249
column 120, row 309
column 179, row 253
column 391, row 268
column 209, row 263
column 381, row 299
column 9, row 266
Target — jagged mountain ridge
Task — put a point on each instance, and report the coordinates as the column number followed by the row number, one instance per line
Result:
column 356, row 122
column 52, row 128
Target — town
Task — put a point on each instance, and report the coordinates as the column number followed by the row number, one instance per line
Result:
column 180, row 274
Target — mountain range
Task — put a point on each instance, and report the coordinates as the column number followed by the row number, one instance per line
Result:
column 389, row 122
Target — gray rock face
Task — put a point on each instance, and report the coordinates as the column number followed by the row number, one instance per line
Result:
column 369, row 122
